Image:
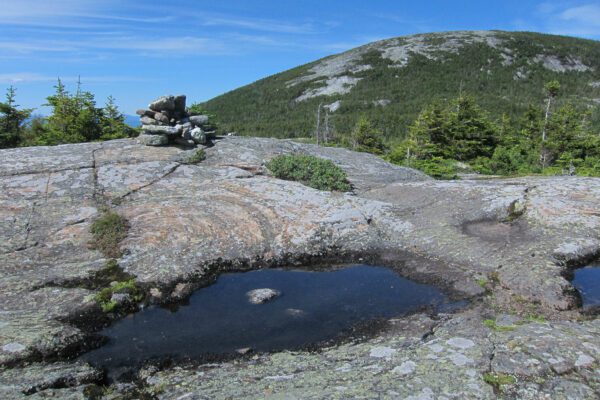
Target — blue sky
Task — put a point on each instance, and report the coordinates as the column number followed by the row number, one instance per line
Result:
column 138, row 50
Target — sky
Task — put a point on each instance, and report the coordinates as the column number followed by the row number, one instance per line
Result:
column 138, row 50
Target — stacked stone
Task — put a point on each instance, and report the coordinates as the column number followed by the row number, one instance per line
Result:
column 167, row 121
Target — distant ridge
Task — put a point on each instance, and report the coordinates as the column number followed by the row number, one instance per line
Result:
column 391, row 80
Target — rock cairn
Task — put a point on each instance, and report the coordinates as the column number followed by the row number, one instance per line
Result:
column 167, row 121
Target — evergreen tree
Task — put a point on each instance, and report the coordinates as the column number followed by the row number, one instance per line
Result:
column 12, row 120
column 366, row 138
column 113, row 122
column 74, row 118
column 472, row 133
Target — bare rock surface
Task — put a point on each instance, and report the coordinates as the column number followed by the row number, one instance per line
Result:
column 507, row 243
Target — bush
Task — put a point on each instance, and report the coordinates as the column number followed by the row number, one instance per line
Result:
column 312, row 171
column 108, row 231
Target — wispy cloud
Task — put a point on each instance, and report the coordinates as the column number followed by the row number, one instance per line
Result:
column 579, row 19
column 257, row 24
column 32, row 77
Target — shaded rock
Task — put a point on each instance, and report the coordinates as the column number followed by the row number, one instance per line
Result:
column 163, row 103
column 120, row 298
column 153, row 140
column 184, row 142
column 199, row 120
column 179, row 106
column 181, row 291
column 160, row 130
column 161, row 117
column 145, row 120
column 260, row 296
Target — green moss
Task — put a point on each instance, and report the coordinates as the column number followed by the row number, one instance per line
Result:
column 491, row 323
column 108, row 231
column 130, row 287
column 312, row 171
column 482, row 282
column 498, row 379
column 198, row 156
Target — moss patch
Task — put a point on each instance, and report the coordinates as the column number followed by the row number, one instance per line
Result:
column 198, row 156
column 498, row 379
column 312, row 171
column 490, row 323
column 108, row 231
column 128, row 287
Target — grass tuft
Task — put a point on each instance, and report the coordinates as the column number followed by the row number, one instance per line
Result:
column 108, row 231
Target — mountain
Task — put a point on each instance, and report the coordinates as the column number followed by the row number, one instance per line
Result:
column 391, row 80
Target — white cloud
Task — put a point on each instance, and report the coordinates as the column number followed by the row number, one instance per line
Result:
column 32, row 77
column 582, row 19
column 259, row 24
column 588, row 15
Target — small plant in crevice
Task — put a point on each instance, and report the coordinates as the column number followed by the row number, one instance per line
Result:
column 491, row 323
column 108, row 231
column 312, row 171
column 198, row 156
column 498, row 379
column 129, row 289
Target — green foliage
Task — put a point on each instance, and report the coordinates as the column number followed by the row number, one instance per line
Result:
column 312, row 171
column 491, row 323
column 460, row 130
column 366, row 138
column 74, row 118
column 11, row 120
column 557, row 143
column 268, row 107
column 108, row 231
column 498, row 379
column 113, row 122
column 129, row 287
column 197, row 157
column 552, row 88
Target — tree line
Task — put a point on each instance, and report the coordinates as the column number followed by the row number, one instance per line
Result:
column 448, row 137
column 74, row 118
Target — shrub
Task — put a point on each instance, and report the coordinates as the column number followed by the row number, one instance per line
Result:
column 312, row 171
column 108, row 231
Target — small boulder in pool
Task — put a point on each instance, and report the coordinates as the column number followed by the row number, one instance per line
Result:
column 260, row 296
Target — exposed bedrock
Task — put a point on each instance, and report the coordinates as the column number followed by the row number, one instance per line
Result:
column 508, row 242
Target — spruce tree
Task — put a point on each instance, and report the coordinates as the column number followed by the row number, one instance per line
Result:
column 12, row 120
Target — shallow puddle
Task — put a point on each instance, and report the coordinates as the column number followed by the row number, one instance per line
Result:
column 587, row 282
column 220, row 320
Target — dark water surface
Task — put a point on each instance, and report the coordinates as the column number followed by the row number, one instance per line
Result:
column 219, row 318
column 587, row 282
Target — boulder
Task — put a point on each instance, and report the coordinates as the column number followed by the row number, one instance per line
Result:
column 153, row 140
column 162, row 117
column 160, row 130
column 145, row 120
column 199, row 120
column 180, row 103
column 163, row 103
column 260, row 296
column 198, row 136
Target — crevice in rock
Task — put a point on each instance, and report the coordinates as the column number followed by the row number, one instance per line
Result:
column 152, row 182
